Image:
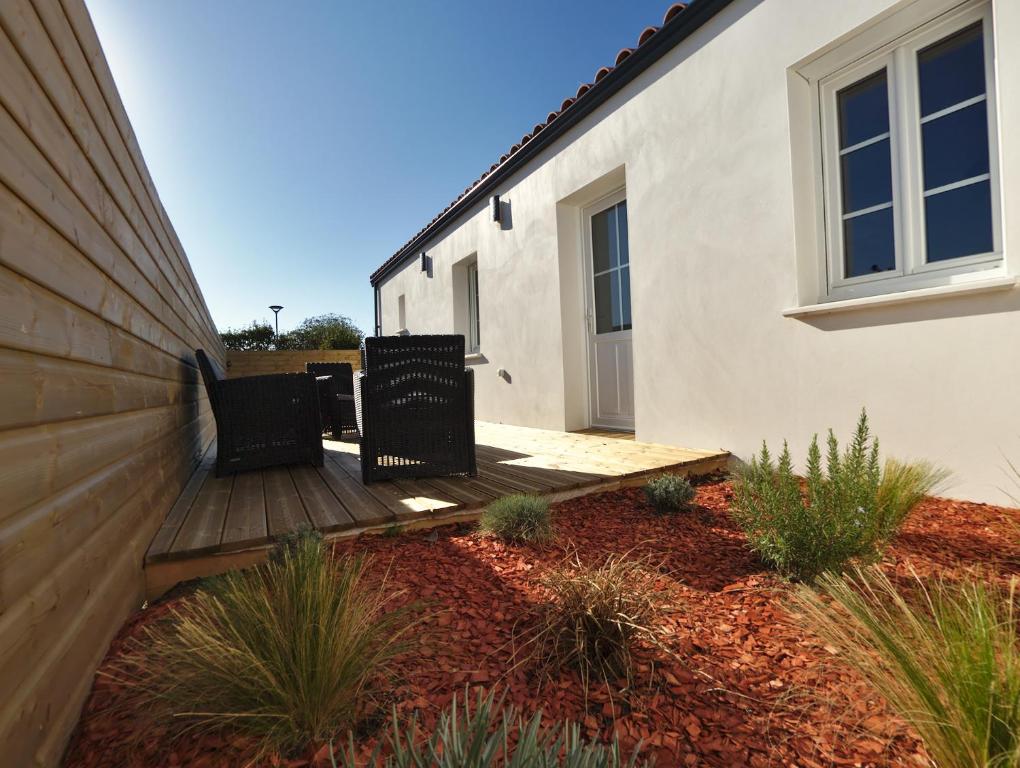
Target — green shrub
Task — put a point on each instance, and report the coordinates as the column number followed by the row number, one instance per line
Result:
column 669, row 493
column 849, row 511
column 517, row 519
column 293, row 541
column 491, row 735
column 593, row 618
column 288, row 652
column 947, row 659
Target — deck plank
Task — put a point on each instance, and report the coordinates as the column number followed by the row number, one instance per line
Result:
column 323, row 508
column 164, row 538
column 365, row 508
column 225, row 516
column 403, row 506
column 245, row 525
column 203, row 528
column 284, row 511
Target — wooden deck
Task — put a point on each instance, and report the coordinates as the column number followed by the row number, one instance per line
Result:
column 222, row 523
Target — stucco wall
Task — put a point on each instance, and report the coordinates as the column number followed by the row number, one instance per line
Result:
column 703, row 139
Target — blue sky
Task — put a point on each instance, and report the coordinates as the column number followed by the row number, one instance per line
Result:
column 297, row 145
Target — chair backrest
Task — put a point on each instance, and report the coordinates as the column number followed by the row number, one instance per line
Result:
column 211, row 374
column 342, row 372
column 441, row 353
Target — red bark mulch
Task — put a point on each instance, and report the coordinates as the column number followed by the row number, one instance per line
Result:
column 745, row 683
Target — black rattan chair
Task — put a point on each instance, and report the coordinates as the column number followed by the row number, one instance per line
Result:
column 262, row 421
column 336, row 397
column 416, row 408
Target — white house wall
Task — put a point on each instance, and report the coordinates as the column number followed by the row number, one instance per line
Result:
column 703, row 142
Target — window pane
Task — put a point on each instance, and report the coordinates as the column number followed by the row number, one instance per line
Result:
column 625, row 296
column 959, row 222
column 621, row 219
column 955, row 146
column 952, row 70
column 867, row 177
column 603, row 240
column 870, row 245
column 863, row 110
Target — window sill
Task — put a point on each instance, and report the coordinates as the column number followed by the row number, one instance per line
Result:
column 903, row 297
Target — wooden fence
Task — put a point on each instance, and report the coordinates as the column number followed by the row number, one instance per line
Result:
column 102, row 415
column 286, row 361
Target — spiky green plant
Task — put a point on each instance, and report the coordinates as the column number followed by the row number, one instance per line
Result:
column 517, row 519
column 669, row 493
column 490, row 735
column 946, row 657
column 850, row 510
column 288, row 652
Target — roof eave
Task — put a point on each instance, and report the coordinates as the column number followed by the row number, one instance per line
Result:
column 661, row 43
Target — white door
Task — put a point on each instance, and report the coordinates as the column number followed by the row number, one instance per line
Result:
column 607, row 278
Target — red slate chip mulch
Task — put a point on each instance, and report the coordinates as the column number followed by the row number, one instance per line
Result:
column 743, row 684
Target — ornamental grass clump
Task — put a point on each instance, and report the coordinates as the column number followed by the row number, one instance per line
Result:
column 490, row 735
column 849, row 511
column 945, row 656
column 669, row 493
column 517, row 519
column 594, row 617
column 287, row 653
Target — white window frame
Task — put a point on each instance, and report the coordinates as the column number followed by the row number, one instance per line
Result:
column 898, row 56
column 474, row 344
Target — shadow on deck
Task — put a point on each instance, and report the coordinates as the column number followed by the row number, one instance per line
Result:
column 229, row 522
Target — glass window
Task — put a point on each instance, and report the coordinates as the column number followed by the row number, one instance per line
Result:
column 869, row 239
column 909, row 158
column 610, row 257
column 474, row 339
column 954, row 141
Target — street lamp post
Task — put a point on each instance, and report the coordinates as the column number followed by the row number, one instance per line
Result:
column 276, row 311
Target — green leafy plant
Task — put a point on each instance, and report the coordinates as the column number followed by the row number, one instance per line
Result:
column 593, row 618
column 393, row 530
column 851, row 510
column 491, row 735
column 288, row 652
column 945, row 656
column 294, row 541
column 669, row 493
column 517, row 519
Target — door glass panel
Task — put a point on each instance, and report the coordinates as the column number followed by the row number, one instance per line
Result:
column 610, row 269
column 955, row 146
column 604, row 302
column 870, row 243
column 959, row 222
column 952, row 70
column 621, row 218
column 604, row 241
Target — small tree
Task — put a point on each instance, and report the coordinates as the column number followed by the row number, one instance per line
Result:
column 257, row 336
column 330, row 331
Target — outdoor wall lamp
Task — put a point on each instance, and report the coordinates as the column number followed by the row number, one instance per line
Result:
column 425, row 261
column 497, row 211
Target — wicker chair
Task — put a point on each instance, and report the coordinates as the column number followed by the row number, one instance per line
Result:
column 416, row 408
column 336, row 397
column 262, row 421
